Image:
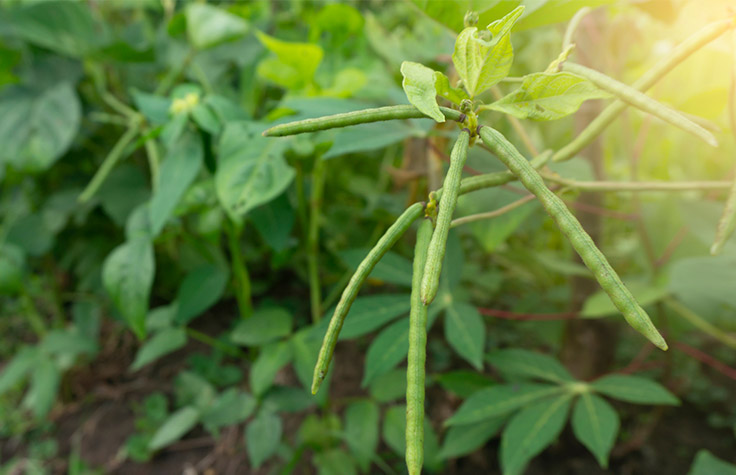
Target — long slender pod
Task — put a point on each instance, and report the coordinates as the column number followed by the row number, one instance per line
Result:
column 580, row 240
column 417, row 356
column 365, row 116
column 448, row 201
column 641, row 101
column 389, row 238
column 644, row 83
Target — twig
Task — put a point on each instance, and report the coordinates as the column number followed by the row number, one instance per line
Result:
column 492, row 214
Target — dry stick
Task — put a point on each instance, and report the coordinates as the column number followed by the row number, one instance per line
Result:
column 644, row 83
column 394, row 232
column 580, row 240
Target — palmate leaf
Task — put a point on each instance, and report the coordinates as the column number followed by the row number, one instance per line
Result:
column 634, row 389
column 595, row 424
column 547, row 96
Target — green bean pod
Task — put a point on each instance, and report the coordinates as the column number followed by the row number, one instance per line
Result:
column 417, row 356
column 641, row 101
column 580, row 240
column 448, row 201
column 727, row 223
column 365, row 116
column 644, row 83
column 389, row 238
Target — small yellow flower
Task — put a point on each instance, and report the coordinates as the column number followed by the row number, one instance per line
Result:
column 184, row 104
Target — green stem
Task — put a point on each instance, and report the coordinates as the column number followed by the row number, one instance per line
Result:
column 643, row 84
column 607, row 278
column 698, row 322
column 315, row 205
column 154, row 159
column 215, row 343
column 491, row 214
column 572, row 27
column 638, row 186
column 354, row 118
column 240, row 271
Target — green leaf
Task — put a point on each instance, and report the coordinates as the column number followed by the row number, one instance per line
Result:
column 45, row 380
column 201, row 289
column 392, row 268
column 191, row 389
column 708, row 464
column 499, row 400
column 178, row 171
column 294, row 65
column 646, row 293
column 361, row 431
column 596, row 425
column 274, row 221
column 450, row 14
column 523, row 364
column 389, row 386
column 262, row 437
column 466, row 332
column 386, row 351
column 67, row 343
column 288, row 399
column 174, row 428
column 462, row 383
column 25, row 360
column 373, row 311
column 703, row 282
column 334, row 462
column 480, row 63
column 162, row 343
column 272, row 358
column 38, row 127
column 419, row 86
column 127, row 274
column 634, row 389
column 12, row 267
column 464, row 439
column 394, row 426
column 443, row 88
column 31, row 234
column 264, row 326
column 530, row 431
column 556, row 11
column 251, row 169
column 547, row 96
column 231, row 407
column 208, row 25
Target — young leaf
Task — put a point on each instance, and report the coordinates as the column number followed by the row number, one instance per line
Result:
column 595, row 424
column 178, row 424
column 361, row 431
column 164, row 342
column 443, row 88
column 499, row 400
column 464, row 439
column 634, row 389
column 517, row 363
column 262, row 437
column 128, row 276
column 466, row 332
column 419, row 85
column 208, row 25
column 201, row 288
column 264, row 326
column 547, row 96
column 294, row 65
column 531, row 431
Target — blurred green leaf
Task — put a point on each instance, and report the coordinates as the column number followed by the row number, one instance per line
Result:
column 262, row 437
column 466, row 332
column 464, row 439
column 386, row 351
column 389, row 386
column 361, row 431
column 294, row 64
column 500, row 400
column 646, row 293
column 633, row 389
column 371, row 312
column 523, row 364
column 708, row 464
column 174, row 428
column 394, row 426
column 233, row 406
column 162, row 343
column 264, row 326
column 271, row 359
column 462, row 383
column 45, row 379
column 596, row 425
column 201, row 289
column 31, row 234
column 12, row 267
column 392, row 268
column 25, row 360
column 208, row 25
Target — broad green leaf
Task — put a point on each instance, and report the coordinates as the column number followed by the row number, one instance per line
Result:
column 251, row 170
column 288, row 399
column 44, row 387
column 702, row 282
column 392, row 268
column 12, row 267
column 174, row 428
column 482, row 63
column 334, row 462
column 386, row 351
column 462, row 383
column 65, row 27
column 271, row 359
column 500, row 400
column 450, row 14
column 443, row 88
column 231, row 407
column 464, row 439
column 38, row 127
column 708, row 464
column 201, row 289
column 361, row 431
column 523, row 364
column 634, row 389
column 595, row 424
column 208, row 25
column 194, row 390
column 274, row 221
column 67, row 343
column 645, row 292
column 162, row 343
column 367, row 137
column 547, row 96
column 318, row 432
column 262, row 437
column 31, row 234
column 264, row 326
column 294, row 65
column 25, row 360
column 556, row 11
column 373, row 311
column 530, row 431
column 389, row 386
column 419, row 86
column 178, row 171
column 393, row 433
column 128, row 276
column 466, row 332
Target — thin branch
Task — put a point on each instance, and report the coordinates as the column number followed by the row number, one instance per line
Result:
column 505, row 314
column 492, row 214
column 706, row 359
column 639, row 186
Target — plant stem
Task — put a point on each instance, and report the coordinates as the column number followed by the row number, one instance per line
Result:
column 241, row 278
column 638, row 186
column 215, row 343
column 315, row 205
column 492, row 214
column 701, row 324
column 154, row 159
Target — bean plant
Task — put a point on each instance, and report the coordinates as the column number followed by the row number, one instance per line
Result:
column 482, row 58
